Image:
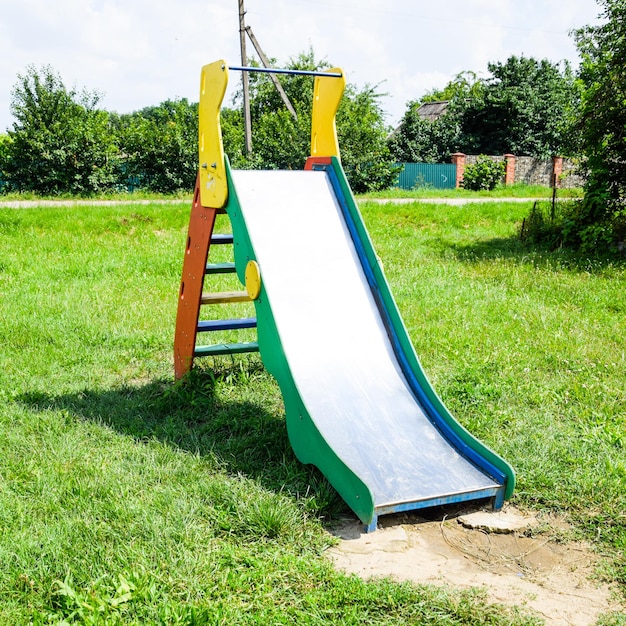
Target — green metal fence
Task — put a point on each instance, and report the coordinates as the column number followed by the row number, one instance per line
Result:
column 437, row 175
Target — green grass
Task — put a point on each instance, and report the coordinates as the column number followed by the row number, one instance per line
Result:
column 128, row 499
column 519, row 190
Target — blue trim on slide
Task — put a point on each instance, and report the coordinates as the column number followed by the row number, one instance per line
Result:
column 452, row 437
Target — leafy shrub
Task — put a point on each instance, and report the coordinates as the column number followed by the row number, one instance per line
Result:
column 484, row 174
column 570, row 224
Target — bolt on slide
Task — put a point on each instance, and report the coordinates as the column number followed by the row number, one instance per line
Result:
column 358, row 404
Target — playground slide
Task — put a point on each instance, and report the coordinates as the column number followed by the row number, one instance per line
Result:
column 358, row 405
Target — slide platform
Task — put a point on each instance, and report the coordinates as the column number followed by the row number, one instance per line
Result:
column 358, row 404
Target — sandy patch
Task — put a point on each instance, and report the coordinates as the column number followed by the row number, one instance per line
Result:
column 551, row 579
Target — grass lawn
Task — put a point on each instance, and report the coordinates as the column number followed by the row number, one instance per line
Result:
column 128, row 499
column 519, row 190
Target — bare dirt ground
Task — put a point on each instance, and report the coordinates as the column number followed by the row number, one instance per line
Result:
column 522, row 561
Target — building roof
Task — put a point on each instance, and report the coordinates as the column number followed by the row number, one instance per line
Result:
column 432, row 111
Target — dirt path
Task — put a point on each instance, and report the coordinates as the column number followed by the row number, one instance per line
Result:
column 451, row 201
column 29, row 204
column 551, row 579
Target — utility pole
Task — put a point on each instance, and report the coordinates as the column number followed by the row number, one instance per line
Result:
column 273, row 77
column 247, row 120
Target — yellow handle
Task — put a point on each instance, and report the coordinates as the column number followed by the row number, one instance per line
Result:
column 213, row 184
column 327, row 94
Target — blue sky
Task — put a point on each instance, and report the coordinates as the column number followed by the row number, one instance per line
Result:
column 138, row 53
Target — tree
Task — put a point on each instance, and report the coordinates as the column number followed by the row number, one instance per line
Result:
column 365, row 156
column 233, row 136
column 61, row 142
column 603, row 121
column 160, row 145
column 281, row 142
column 5, row 140
column 463, row 86
column 527, row 107
column 418, row 140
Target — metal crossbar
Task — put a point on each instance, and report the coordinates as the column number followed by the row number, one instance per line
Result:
column 271, row 70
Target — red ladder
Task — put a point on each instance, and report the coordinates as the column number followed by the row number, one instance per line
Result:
column 200, row 237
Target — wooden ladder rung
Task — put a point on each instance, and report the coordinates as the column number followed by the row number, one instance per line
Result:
column 226, row 348
column 225, row 297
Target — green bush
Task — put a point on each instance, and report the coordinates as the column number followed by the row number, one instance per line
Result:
column 570, row 224
column 484, row 174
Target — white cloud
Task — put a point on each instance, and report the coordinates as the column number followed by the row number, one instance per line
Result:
column 141, row 52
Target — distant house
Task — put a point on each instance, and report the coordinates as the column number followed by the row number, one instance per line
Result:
column 432, row 111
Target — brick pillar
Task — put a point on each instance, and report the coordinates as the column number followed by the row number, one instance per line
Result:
column 509, row 172
column 458, row 159
column 557, row 170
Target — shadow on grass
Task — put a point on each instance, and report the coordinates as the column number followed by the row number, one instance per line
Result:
column 526, row 253
column 201, row 416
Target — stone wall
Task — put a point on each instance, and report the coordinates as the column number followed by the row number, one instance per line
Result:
column 533, row 171
column 529, row 170
column 572, row 174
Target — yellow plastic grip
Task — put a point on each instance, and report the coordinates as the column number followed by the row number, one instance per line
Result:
column 327, row 94
column 213, row 184
column 253, row 280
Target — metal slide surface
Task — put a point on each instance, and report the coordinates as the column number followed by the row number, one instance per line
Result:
column 342, row 363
